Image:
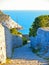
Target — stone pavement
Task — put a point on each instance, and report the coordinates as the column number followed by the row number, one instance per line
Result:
column 24, row 62
column 24, row 56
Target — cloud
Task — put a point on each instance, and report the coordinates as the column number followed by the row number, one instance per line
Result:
column 24, row 5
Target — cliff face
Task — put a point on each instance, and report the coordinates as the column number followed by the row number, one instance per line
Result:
column 41, row 41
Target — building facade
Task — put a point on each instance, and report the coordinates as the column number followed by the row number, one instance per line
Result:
column 6, row 38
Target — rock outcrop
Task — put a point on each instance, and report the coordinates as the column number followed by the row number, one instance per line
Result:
column 41, row 41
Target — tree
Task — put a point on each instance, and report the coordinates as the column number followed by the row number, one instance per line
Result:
column 41, row 21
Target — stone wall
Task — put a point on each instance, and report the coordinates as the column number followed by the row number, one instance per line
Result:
column 8, row 38
column 7, row 43
column 2, row 45
column 41, row 41
column 41, row 38
column 17, row 41
column 34, row 41
column 43, row 35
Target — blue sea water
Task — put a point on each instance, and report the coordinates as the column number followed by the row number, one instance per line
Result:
column 25, row 18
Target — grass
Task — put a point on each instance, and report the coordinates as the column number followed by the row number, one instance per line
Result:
column 8, row 61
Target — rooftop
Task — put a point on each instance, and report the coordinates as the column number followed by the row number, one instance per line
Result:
column 7, row 21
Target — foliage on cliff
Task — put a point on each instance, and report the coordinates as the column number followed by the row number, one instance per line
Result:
column 14, row 31
column 41, row 21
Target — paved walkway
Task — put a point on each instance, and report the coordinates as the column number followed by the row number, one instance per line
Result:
column 24, row 56
column 25, row 53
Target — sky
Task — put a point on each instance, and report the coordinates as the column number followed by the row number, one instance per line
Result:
column 25, row 18
column 24, row 4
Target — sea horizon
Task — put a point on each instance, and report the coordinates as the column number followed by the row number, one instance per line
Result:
column 25, row 17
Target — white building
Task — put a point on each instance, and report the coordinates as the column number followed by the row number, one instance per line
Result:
column 6, row 38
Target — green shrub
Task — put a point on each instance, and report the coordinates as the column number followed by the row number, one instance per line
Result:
column 35, row 50
column 47, row 58
column 14, row 31
column 41, row 21
column 24, row 40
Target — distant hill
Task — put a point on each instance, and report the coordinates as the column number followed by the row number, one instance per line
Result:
column 26, row 35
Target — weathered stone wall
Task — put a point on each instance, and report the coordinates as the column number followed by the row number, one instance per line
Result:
column 7, row 42
column 35, row 41
column 2, row 45
column 43, row 35
column 41, row 41
column 8, row 38
column 17, row 41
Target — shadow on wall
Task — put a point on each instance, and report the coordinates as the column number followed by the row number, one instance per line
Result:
column 17, row 41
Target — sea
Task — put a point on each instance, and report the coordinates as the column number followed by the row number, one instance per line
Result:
column 25, row 17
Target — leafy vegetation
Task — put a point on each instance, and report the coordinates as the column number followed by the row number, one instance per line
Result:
column 14, row 31
column 35, row 50
column 24, row 40
column 41, row 21
column 8, row 61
